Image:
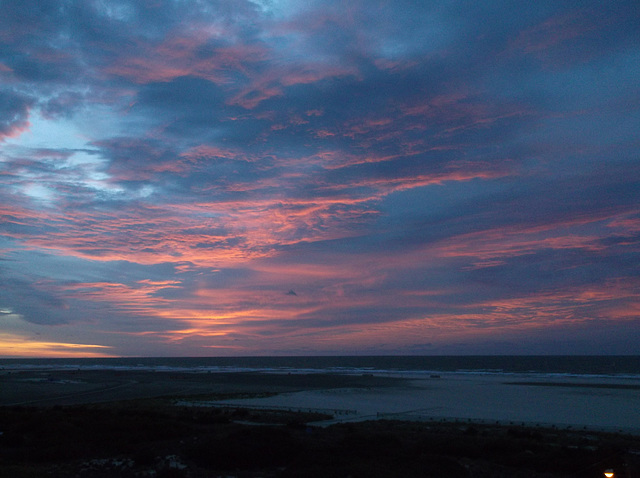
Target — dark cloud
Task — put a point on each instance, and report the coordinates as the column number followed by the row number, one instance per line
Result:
column 14, row 110
column 33, row 302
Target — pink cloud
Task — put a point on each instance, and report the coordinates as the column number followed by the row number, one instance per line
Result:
column 611, row 300
column 271, row 82
column 178, row 233
column 550, row 41
column 554, row 31
column 544, row 311
column 460, row 171
column 492, row 245
column 627, row 223
column 205, row 151
column 180, row 54
column 138, row 299
column 247, row 229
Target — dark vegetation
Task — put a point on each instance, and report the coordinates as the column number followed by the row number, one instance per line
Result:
column 156, row 438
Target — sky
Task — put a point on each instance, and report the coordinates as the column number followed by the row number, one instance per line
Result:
column 288, row 177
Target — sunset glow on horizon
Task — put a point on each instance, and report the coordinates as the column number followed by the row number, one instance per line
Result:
column 255, row 177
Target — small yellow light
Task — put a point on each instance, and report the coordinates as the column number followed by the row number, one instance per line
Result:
column 608, row 473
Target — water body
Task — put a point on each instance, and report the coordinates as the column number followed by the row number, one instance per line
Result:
column 618, row 366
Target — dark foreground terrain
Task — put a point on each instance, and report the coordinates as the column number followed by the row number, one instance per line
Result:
column 155, row 437
column 105, row 423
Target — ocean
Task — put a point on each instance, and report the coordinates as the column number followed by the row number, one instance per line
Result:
column 567, row 365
